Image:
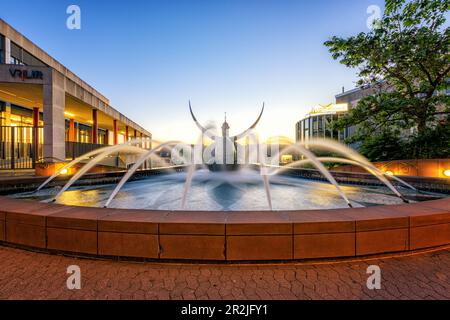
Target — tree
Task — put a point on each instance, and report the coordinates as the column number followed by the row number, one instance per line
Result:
column 384, row 146
column 405, row 59
column 432, row 143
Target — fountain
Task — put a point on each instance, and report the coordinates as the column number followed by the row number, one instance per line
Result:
column 105, row 150
column 355, row 158
column 223, row 155
column 225, row 176
column 136, row 166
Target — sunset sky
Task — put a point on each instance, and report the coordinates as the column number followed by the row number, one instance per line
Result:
column 151, row 57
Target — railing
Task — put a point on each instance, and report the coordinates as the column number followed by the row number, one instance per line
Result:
column 76, row 149
column 19, row 147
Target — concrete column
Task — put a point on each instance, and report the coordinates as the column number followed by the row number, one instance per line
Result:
column 126, row 133
column 7, row 49
column 72, row 130
column 142, row 141
column 94, row 126
column 36, row 131
column 114, row 132
column 54, row 99
column 107, row 137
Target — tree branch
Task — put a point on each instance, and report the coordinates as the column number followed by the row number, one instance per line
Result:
column 422, row 67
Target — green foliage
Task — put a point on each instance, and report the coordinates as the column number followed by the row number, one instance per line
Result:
column 383, row 147
column 405, row 60
column 433, row 143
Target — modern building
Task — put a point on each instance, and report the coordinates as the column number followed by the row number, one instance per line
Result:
column 352, row 97
column 317, row 122
column 48, row 113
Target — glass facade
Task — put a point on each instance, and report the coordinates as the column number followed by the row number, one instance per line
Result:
column 17, row 55
column 20, row 56
column 18, row 137
column 17, row 116
column 319, row 126
column 2, row 113
column 102, row 136
column 83, row 133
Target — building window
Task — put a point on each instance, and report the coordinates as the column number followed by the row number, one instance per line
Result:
column 84, row 133
column 22, row 57
column 3, row 113
column 315, row 126
column 2, row 49
column 20, row 116
column 101, row 136
column 13, row 60
column 66, row 130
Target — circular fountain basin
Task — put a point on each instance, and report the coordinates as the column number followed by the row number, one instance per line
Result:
column 163, row 235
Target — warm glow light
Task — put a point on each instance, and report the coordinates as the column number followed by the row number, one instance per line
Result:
column 69, row 114
column 9, row 93
column 25, row 99
column 64, row 171
column 447, row 173
column 286, row 158
column 389, row 173
column 329, row 108
column 14, row 118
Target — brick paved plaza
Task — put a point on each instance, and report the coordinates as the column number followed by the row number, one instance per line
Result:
column 31, row 275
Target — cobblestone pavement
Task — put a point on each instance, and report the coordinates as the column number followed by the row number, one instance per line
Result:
column 30, row 275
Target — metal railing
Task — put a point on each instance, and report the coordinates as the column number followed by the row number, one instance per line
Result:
column 21, row 147
column 76, row 149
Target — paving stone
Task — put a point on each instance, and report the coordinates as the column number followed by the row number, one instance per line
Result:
column 31, row 275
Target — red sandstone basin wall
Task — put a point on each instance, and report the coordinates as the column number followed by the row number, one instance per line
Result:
column 225, row 236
